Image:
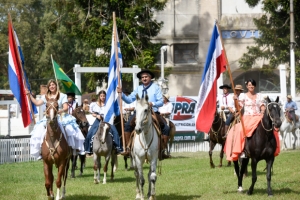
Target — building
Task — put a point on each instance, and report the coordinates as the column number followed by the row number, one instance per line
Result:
column 188, row 25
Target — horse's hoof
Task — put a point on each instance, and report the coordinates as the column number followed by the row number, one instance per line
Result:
column 104, row 182
column 220, row 166
column 96, row 181
column 240, row 189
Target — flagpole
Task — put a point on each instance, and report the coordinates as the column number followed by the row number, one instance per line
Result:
column 237, row 106
column 22, row 72
column 119, row 80
column 55, row 75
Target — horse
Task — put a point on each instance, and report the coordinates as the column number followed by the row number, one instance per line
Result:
column 145, row 147
column 288, row 126
column 83, row 124
column 103, row 146
column 216, row 134
column 261, row 146
column 55, row 150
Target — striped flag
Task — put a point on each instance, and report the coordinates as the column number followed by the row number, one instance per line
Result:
column 17, row 77
column 111, row 104
column 214, row 66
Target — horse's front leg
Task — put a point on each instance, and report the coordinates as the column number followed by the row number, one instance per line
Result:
column 221, row 155
column 211, row 148
column 269, row 173
column 254, row 176
column 74, row 161
column 152, row 179
column 48, row 180
column 82, row 161
column 60, row 175
column 139, row 177
column 97, row 166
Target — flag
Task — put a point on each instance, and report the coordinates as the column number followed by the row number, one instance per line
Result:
column 68, row 85
column 17, row 78
column 111, row 103
column 214, row 66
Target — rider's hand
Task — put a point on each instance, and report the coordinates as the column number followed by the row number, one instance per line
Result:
column 119, row 89
column 150, row 104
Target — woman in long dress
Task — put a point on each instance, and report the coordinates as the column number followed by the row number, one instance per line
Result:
column 67, row 123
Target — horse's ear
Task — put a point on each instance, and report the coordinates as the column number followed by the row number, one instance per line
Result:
column 147, row 98
column 267, row 99
column 137, row 96
column 277, row 99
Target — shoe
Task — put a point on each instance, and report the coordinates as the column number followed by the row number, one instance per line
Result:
column 39, row 158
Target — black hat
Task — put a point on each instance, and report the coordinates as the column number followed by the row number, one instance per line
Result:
column 72, row 94
column 225, row 86
column 145, row 71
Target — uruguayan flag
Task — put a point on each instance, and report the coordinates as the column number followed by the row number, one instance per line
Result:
column 111, row 104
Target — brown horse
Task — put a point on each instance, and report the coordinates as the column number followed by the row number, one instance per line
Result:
column 261, row 146
column 55, row 150
column 215, row 135
column 83, row 124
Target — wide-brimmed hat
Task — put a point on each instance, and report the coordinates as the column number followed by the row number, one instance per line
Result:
column 167, row 96
column 289, row 96
column 72, row 94
column 86, row 100
column 225, row 86
column 239, row 87
column 145, row 71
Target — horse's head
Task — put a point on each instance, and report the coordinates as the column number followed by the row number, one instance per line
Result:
column 81, row 120
column 274, row 112
column 51, row 107
column 143, row 113
column 103, row 129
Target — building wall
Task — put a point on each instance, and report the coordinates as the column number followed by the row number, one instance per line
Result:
column 188, row 25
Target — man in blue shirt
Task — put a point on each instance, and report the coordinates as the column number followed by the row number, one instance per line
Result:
column 290, row 107
column 155, row 100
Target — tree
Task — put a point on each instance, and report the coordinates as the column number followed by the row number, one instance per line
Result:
column 274, row 44
column 91, row 22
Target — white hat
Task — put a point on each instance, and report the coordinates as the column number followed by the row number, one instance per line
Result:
column 167, row 96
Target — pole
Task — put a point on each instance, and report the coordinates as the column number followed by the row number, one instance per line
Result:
column 22, row 72
column 55, row 75
column 292, row 53
column 115, row 33
column 237, row 106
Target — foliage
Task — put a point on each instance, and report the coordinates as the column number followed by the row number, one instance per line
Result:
column 92, row 22
column 186, row 176
column 274, row 44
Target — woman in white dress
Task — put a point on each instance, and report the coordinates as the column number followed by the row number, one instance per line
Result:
column 67, row 123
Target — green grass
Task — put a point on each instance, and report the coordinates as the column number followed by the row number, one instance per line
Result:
column 187, row 176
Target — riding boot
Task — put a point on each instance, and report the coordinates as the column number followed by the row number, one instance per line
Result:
column 165, row 146
column 226, row 130
column 127, row 146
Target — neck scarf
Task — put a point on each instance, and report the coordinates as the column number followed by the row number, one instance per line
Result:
column 225, row 96
column 145, row 89
column 70, row 108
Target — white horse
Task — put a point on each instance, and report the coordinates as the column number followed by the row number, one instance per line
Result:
column 145, row 148
column 288, row 126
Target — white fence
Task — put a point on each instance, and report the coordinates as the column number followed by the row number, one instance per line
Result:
column 18, row 150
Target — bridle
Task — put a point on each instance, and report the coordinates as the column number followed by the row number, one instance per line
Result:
column 51, row 105
column 269, row 115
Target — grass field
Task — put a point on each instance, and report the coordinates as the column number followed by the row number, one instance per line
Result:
column 187, row 176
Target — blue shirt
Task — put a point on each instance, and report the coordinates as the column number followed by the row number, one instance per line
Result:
column 290, row 105
column 153, row 92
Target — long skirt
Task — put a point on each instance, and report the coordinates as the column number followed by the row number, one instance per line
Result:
column 69, row 127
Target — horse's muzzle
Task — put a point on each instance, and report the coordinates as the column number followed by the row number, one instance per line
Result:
column 138, row 130
column 277, row 123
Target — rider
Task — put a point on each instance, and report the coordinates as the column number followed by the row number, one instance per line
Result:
column 290, row 107
column 254, row 108
column 97, row 110
column 231, row 107
column 67, row 122
column 167, row 108
column 72, row 104
column 155, row 100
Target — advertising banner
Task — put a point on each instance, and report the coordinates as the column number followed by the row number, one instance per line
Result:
column 183, row 114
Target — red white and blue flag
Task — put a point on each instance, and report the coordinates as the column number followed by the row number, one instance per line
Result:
column 214, row 66
column 17, row 77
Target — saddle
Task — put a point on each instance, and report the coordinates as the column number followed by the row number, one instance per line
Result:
column 289, row 117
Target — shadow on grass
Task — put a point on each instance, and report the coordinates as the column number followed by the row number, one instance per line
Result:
column 178, row 197
column 87, row 197
column 262, row 191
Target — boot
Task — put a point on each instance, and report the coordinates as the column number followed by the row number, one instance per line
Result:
column 226, row 130
column 126, row 148
column 165, row 145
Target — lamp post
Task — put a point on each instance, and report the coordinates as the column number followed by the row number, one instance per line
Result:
column 292, row 53
column 162, row 82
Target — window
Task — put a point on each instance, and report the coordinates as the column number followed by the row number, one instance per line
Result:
column 186, row 53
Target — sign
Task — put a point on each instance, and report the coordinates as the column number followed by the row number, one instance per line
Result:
column 241, row 34
column 183, row 114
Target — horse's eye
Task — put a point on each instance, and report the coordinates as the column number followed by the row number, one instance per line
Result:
column 145, row 110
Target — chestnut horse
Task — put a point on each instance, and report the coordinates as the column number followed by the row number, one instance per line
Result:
column 216, row 133
column 261, row 146
column 83, row 124
column 55, row 150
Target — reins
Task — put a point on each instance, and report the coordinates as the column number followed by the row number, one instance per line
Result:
column 268, row 113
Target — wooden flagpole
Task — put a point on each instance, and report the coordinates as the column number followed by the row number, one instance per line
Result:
column 237, row 106
column 115, row 33
column 55, row 75
column 22, row 72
